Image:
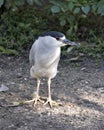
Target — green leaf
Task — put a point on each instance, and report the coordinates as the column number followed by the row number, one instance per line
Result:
column 100, row 3
column 75, row 27
column 55, row 9
column 1, row 2
column 101, row 11
column 8, row 4
column 76, row 10
column 15, row 104
column 20, row 2
column 63, row 22
column 70, row 6
column 54, row 2
column 69, row 31
column 8, row 51
column 83, row 16
column 102, row 14
column 30, row 2
column 63, row 9
column 37, row 2
column 14, row 8
column 86, row 9
column 94, row 7
column 71, row 19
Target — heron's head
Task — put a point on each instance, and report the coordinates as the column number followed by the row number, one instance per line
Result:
column 60, row 38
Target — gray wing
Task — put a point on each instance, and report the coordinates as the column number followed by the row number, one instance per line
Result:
column 32, row 55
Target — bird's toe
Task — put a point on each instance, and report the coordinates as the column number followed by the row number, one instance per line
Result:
column 51, row 102
column 34, row 101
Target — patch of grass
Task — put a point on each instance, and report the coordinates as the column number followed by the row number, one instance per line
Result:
column 93, row 46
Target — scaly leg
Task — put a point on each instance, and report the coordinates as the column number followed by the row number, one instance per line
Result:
column 37, row 97
column 49, row 99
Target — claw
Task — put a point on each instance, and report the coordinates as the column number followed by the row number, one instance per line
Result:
column 51, row 102
column 34, row 101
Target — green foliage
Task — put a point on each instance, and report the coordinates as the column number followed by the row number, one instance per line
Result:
column 8, row 51
column 20, row 24
column 16, row 3
column 93, row 50
column 19, row 29
column 71, row 11
column 76, row 14
column 94, row 44
column 55, row 9
column 86, row 9
column 1, row 2
column 31, row 2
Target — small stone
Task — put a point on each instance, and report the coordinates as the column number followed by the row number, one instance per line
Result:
column 25, row 79
column 83, row 68
column 19, row 75
column 13, row 83
column 3, row 88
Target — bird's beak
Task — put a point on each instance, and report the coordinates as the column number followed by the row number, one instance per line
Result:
column 68, row 42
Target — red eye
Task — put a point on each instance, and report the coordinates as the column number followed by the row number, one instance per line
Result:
column 57, row 38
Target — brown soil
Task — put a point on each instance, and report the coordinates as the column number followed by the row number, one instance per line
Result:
column 79, row 86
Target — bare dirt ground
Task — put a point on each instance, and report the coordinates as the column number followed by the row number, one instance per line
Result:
column 79, row 86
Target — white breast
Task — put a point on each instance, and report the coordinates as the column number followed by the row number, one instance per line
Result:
column 46, row 59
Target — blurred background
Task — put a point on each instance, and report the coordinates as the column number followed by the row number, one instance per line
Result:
column 22, row 21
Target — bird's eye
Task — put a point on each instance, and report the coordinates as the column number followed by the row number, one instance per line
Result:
column 57, row 38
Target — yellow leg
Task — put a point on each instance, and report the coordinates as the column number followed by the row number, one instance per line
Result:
column 37, row 97
column 49, row 99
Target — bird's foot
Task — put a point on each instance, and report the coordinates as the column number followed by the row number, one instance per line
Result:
column 34, row 101
column 51, row 102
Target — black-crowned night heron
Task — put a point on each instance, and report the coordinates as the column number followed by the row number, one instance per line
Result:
column 44, row 58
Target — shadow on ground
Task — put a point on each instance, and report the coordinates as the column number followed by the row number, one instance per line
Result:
column 78, row 86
